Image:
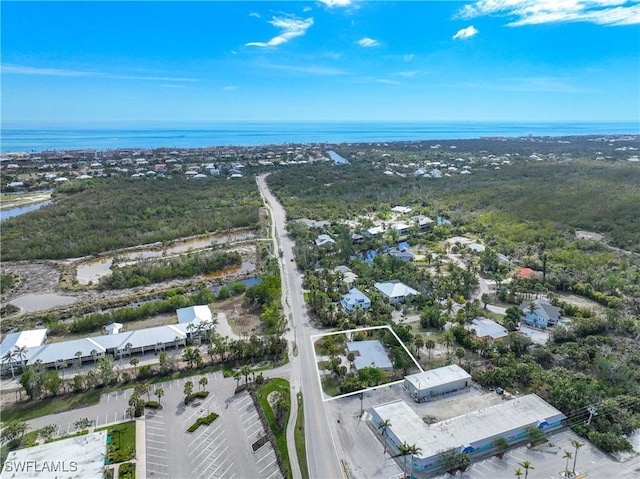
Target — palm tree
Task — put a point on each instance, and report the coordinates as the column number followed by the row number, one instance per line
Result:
column 134, row 361
column 159, row 392
column 203, row 382
column 460, row 352
column 448, row 339
column 577, row 444
column 79, row 356
column 430, row 344
column 237, row 376
column 384, row 425
column 518, row 472
column 144, row 388
column 527, row 465
column 245, row 371
column 568, row 455
column 94, row 355
column 127, row 348
column 8, row 358
column 188, row 388
column 419, row 343
column 501, row 444
column 20, row 352
column 406, row 450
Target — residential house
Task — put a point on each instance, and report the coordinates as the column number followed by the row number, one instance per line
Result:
column 401, row 228
column 374, row 231
column 396, row 291
column 484, row 328
column 357, row 239
column 369, row 353
column 402, row 252
column 324, row 240
column 543, row 316
column 355, row 299
column 348, row 276
column 425, row 224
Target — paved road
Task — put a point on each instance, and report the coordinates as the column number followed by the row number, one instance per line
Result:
column 322, row 456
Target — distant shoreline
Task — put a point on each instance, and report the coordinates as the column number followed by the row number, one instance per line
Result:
column 138, row 135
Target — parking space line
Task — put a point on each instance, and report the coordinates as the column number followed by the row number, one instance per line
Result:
column 202, row 433
column 257, row 423
column 158, row 472
column 223, row 472
column 263, row 457
column 253, row 416
column 205, row 450
column 268, row 465
column 155, row 440
column 163, row 449
column 158, row 464
column 158, row 428
column 216, row 458
column 156, row 455
column 277, row 471
column 225, row 460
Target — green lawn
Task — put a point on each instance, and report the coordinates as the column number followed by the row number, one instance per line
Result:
column 330, row 385
column 301, row 450
column 31, row 409
column 282, row 386
column 121, row 442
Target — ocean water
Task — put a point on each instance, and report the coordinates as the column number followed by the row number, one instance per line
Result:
column 34, row 138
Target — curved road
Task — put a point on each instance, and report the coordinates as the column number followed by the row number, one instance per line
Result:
column 322, row 456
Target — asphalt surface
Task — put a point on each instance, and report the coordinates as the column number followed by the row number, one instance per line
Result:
column 322, row 456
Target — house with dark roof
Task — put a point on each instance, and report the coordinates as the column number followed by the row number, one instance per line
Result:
column 542, row 315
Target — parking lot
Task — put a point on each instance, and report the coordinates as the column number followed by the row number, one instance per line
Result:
column 361, row 448
column 224, row 449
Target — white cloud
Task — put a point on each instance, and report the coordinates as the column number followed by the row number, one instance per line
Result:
column 408, row 74
column 336, row 3
column 313, row 69
column 230, row 88
column 255, row 14
column 290, row 27
column 368, row 42
column 408, row 57
column 388, row 82
column 27, row 70
column 531, row 12
column 55, row 72
column 465, row 33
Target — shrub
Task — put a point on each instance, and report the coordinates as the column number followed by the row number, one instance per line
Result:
column 203, row 420
column 127, row 470
column 153, row 404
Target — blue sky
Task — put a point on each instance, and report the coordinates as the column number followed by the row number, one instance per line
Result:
column 494, row 60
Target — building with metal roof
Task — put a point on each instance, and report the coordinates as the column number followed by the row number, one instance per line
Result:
column 428, row 385
column 396, row 291
column 472, row 433
column 369, row 353
column 487, row 328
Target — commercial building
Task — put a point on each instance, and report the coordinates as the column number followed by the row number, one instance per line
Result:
column 472, row 433
column 427, row 385
column 76, row 457
column 120, row 344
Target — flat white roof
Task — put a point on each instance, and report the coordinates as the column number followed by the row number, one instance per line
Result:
column 30, row 339
column 80, row 457
column 460, row 431
column 437, row 377
column 199, row 312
